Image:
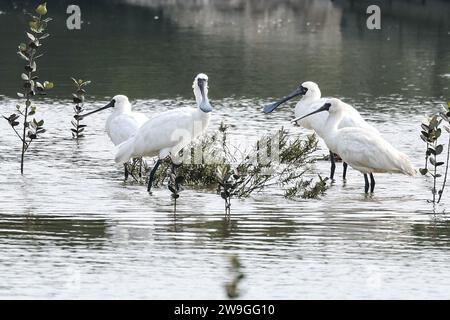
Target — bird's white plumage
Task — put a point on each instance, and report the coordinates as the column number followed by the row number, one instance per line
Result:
column 311, row 101
column 363, row 149
column 123, row 123
column 169, row 132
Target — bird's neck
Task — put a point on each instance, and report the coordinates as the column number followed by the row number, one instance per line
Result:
column 332, row 125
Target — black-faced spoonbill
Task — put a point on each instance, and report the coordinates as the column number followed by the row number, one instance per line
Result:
column 311, row 100
column 363, row 149
column 122, row 123
column 167, row 133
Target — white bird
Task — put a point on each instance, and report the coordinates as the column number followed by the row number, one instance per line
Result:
column 122, row 123
column 167, row 133
column 362, row 148
column 311, row 100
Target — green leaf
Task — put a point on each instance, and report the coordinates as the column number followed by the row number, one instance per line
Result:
column 423, row 138
column 42, row 9
column 32, row 37
column 433, row 161
column 20, row 95
column 439, row 149
column 48, row 85
column 425, row 134
column 39, row 85
column 423, row 171
column 31, row 135
column 32, row 111
column 74, row 80
column 24, row 57
column 22, row 47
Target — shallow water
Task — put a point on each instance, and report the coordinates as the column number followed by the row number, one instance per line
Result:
column 70, row 227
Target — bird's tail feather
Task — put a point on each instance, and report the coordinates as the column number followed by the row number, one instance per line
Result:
column 125, row 151
column 406, row 165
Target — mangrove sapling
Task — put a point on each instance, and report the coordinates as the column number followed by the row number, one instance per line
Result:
column 430, row 134
column 78, row 99
column 227, row 181
column 29, row 52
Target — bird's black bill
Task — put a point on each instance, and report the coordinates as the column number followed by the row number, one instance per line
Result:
column 325, row 107
column 272, row 106
column 109, row 105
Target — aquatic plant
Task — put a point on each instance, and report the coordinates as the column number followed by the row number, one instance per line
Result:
column 29, row 52
column 78, row 99
column 307, row 189
column 430, row 134
column 240, row 175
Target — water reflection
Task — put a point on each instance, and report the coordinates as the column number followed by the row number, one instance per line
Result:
column 60, row 230
column 248, row 48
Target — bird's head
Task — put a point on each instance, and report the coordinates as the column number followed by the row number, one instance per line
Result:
column 307, row 89
column 119, row 102
column 200, row 87
column 310, row 89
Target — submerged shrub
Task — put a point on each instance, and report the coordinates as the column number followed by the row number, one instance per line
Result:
column 275, row 160
column 30, row 52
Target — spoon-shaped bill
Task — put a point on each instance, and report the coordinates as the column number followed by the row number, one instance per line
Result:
column 109, row 105
column 205, row 106
column 325, row 107
column 272, row 106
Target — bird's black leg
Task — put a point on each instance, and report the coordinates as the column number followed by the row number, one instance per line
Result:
column 140, row 167
column 125, row 166
column 344, row 175
column 372, row 183
column 366, row 186
column 333, row 165
column 152, row 175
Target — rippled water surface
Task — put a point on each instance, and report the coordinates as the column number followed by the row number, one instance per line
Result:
column 70, row 227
